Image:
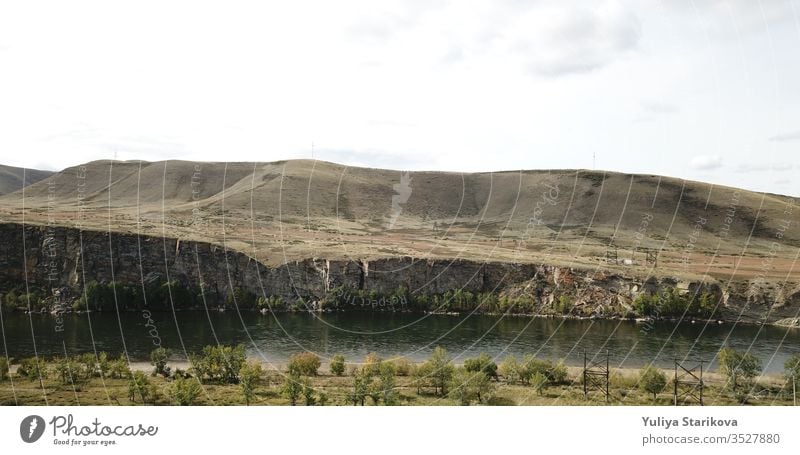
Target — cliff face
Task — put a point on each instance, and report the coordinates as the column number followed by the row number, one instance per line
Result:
column 64, row 259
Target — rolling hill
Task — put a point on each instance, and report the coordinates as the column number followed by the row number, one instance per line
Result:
column 291, row 210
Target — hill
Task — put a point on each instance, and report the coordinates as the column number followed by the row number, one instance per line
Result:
column 291, row 210
column 14, row 178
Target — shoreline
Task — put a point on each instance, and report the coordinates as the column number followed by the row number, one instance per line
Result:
column 789, row 323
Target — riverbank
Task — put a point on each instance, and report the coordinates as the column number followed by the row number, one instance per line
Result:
column 624, row 389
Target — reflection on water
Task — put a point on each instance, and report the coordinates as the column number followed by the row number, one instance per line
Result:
column 275, row 337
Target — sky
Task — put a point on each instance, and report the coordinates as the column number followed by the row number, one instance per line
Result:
column 702, row 90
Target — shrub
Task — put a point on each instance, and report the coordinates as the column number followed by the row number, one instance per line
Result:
column 440, row 369
column 740, row 369
column 184, row 392
column 158, row 358
column 539, row 382
column 652, row 380
column 68, row 371
column 249, row 379
column 292, row 387
column 140, row 386
column 304, row 363
column 32, row 368
column 468, row 386
column 402, row 366
column 510, row 370
column 791, row 367
column 119, row 368
column 337, row 365
column 219, row 363
column 482, row 363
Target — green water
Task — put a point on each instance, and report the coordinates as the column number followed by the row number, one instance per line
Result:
column 275, row 337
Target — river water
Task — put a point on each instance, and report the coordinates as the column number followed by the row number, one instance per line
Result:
column 275, row 337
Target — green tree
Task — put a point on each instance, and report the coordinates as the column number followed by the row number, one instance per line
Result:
column 385, row 387
column 539, row 382
column 140, row 386
column 249, row 379
column 309, row 395
column 468, row 386
column 362, row 384
column 482, row 363
column 68, row 371
column 32, row 368
column 652, row 380
column 441, row 369
column 119, row 368
column 510, row 369
column 158, row 358
column 337, row 365
column 304, row 363
column 184, row 392
column 791, row 367
column 292, row 387
column 740, row 370
column 219, row 363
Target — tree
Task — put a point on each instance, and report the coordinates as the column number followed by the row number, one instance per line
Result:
column 158, row 358
column 249, row 379
column 119, row 368
column 510, row 369
column 538, row 381
column 468, row 386
column 139, row 385
column 652, row 380
column 338, row 365
column 441, row 369
column 3, row 368
column 362, row 383
column 385, row 389
column 184, row 391
column 68, row 371
column 482, row 363
column 740, row 369
column 219, row 363
column 32, row 368
column 292, row 387
column 308, row 393
column 304, row 364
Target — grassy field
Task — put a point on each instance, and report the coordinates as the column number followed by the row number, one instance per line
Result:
column 623, row 391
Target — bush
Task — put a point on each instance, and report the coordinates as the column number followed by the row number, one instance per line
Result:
column 539, row 382
column 652, row 380
column 184, row 392
column 219, row 363
column 402, row 366
column 510, row 369
column 158, row 358
column 32, row 368
column 69, row 371
column 482, row 363
column 249, row 379
column 740, row 369
column 791, row 367
column 292, row 387
column 304, row 364
column 337, row 365
column 3, row 368
column 119, row 368
column 468, row 386
column 140, row 386
column 440, row 370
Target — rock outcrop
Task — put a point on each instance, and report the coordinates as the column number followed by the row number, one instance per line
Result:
column 60, row 260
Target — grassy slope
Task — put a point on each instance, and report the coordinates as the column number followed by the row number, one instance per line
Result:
column 300, row 208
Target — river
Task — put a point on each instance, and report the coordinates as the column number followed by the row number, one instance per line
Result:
column 275, row 337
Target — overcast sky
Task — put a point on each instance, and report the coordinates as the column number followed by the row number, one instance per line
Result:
column 706, row 90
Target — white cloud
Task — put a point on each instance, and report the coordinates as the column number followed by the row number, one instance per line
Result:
column 706, row 162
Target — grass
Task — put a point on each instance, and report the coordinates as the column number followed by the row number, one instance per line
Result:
column 623, row 391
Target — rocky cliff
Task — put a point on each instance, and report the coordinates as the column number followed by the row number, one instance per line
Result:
column 59, row 261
